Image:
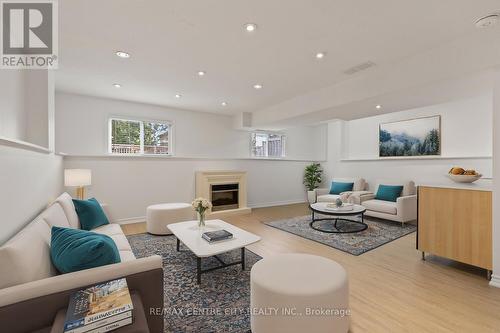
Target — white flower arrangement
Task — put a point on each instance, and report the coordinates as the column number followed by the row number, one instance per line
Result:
column 201, row 205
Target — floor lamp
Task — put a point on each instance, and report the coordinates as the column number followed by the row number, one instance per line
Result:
column 78, row 178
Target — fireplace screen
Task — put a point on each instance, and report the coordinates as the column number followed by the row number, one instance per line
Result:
column 224, row 196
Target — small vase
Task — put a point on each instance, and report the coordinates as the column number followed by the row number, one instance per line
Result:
column 338, row 203
column 201, row 220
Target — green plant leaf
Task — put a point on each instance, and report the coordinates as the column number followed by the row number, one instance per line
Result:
column 312, row 176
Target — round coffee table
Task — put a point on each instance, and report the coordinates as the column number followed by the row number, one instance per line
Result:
column 337, row 223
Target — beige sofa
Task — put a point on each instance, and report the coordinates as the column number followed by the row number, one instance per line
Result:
column 323, row 194
column 32, row 291
column 403, row 210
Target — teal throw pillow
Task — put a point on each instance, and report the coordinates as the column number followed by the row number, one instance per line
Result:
column 389, row 192
column 339, row 187
column 90, row 214
column 72, row 250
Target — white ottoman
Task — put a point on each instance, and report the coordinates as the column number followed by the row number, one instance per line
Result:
column 299, row 293
column 159, row 216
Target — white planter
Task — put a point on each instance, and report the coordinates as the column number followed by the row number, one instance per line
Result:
column 311, row 196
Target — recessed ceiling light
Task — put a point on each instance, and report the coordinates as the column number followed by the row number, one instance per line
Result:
column 320, row 55
column 201, row 73
column 178, row 95
column 117, row 85
column 223, row 103
column 122, row 54
column 378, row 107
column 250, row 27
column 257, row 86
column 487, row 21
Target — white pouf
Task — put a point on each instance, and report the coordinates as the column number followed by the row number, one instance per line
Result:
column 299, row 293
column 159, row 216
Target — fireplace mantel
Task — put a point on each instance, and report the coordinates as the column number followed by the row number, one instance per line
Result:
column 205, row 179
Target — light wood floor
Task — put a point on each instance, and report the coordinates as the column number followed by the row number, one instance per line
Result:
column 391, row 288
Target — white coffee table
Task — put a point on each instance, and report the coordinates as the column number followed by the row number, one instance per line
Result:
column 190, row 235
column 337, row 215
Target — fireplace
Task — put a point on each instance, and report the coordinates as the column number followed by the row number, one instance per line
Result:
column 224, row 196
column 227, row 190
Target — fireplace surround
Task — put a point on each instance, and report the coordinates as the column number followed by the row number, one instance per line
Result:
column 227, row 190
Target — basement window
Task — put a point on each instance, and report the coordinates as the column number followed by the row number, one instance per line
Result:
column 266, row 144
column 139, row 137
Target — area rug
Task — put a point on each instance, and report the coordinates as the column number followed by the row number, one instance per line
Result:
column 219, row 304
column 378, row 233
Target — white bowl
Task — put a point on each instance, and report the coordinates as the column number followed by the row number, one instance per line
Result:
column 464, row 178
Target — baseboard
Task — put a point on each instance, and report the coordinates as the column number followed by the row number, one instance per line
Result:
column 495, row 281
column 278, row 203
column 131, row 220
column 139, row 219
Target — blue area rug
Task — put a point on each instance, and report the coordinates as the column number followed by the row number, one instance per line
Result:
column 378, row 233
column 219, row 304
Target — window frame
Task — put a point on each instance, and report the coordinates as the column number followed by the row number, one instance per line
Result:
column 141, row 121
column 283, row 145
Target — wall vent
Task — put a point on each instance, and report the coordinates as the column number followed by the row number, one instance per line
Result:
column 359, row 68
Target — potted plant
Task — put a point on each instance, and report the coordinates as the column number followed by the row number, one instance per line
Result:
column 312, row 179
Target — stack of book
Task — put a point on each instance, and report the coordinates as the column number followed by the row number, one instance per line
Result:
column 216, row 236
column 98, row 309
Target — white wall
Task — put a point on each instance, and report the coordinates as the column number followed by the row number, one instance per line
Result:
column 129, row 185
column 465, row 128
column 466, row 141
column 82, row 129
column 24, row 106
column 202, row 141
column 12, row 113
column 29, row 180
column 36, row 104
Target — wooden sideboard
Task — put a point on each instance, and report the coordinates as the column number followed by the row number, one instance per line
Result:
column 456, row 223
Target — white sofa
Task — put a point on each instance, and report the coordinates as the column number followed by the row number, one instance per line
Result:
column 403, row 210
column 323, row 194
column 27, row 275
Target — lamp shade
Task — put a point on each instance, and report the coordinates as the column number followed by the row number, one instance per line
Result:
column 77, row 177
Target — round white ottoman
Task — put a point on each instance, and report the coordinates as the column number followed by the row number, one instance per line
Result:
column 299, row 293
column 159, row 216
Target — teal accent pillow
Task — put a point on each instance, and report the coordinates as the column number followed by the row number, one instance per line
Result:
column 72, row 250
column 90, row 213
column 389, row 192
column 339, row 187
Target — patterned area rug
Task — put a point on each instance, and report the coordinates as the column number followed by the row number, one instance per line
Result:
column 219, row 304
column 378, row 233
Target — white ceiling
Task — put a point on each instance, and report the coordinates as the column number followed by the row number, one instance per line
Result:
column 170, row 40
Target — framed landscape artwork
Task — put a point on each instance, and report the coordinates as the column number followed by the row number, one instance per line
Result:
column 413, row 137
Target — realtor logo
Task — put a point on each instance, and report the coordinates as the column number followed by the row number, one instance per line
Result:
column 29, row 34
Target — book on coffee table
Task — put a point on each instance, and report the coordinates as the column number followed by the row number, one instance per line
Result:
column 216, row 236
column 100, row 308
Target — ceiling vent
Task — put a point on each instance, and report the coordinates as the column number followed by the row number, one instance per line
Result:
column 359, row 68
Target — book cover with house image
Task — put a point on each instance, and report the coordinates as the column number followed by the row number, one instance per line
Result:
column 99, row 306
